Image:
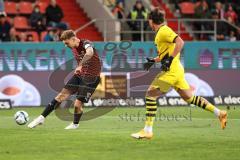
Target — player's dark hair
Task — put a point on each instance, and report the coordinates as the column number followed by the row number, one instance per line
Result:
column 67, row 35
column 157, row 16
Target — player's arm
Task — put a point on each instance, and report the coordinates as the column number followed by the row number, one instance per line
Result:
column 150, row 62
column 88, row 55
column 179, row 43
column 167, row 60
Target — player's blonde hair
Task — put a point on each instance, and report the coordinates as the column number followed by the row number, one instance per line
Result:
column 67, row 34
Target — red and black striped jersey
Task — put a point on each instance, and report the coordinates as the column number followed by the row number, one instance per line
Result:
column 93, row 66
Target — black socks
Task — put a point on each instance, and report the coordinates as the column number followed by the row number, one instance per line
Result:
column 53, row 105
column 77, row 117
column 50, row 107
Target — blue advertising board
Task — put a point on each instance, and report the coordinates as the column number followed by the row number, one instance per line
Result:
column 212, row 55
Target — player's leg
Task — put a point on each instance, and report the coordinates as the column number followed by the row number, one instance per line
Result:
column 160, row 85
column 151, row 107
column 68, row 89
column 78, row 111
column 63, row 95
column 151, row 111
column 87, row 87
column 183, row 88
column 201, row 102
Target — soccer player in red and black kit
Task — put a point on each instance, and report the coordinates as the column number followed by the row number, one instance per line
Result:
column 83, row 83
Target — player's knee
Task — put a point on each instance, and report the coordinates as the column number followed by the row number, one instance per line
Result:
column 150, row 95
column 78, row 103
column 78, row 109
column 78, row 106
column 153, row 92
column 63, row 95
column 186, row 96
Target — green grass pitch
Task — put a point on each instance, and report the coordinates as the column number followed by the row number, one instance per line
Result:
column 191, row 134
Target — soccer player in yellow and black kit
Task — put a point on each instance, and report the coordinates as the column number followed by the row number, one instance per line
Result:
column 169, row 45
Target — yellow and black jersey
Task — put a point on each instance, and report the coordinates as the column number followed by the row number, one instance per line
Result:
column 165, row 41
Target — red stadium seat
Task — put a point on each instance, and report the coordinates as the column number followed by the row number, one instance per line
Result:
column 20, row 22
column 32, row 1
column 10, row 7
column 187, row 8
column 43, row 6
column 10, row 20
column 21, row 35
column 47, row 1
column 43, row 34
column 35, row 36
column 25, row 8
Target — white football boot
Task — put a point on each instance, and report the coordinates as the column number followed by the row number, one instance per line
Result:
column 38, row 121
column 72, row 126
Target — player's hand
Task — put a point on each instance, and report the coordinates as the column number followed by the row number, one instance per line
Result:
column 148, row 64
column 78, row 70
column 166, row 62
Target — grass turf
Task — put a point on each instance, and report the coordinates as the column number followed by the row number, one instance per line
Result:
column 191, row 134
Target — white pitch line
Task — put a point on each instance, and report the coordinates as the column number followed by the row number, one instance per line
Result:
column 117, row 117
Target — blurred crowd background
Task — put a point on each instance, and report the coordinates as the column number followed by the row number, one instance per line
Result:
column 44, row 20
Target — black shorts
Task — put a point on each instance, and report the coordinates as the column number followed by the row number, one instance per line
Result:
column 83, row 86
